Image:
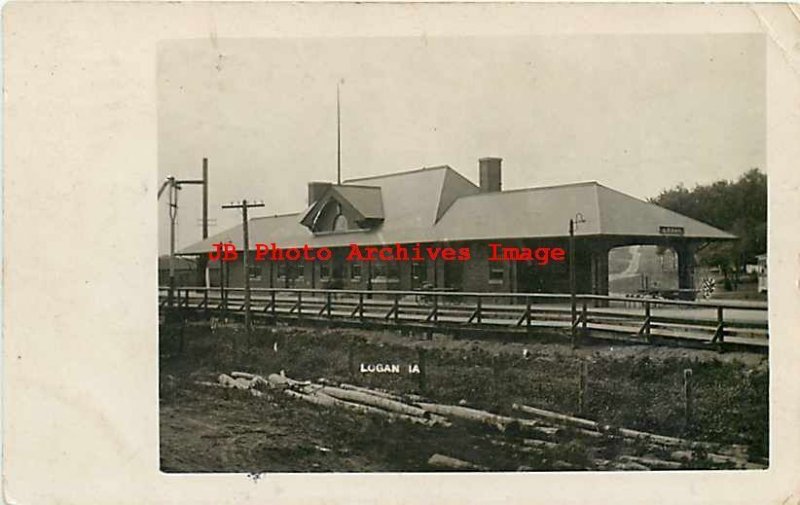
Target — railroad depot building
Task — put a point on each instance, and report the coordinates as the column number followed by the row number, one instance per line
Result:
column 439, row 207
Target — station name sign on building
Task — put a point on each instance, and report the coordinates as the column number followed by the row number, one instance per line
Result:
column 676, row 231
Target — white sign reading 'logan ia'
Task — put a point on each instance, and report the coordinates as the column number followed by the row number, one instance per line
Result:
column 386, row 368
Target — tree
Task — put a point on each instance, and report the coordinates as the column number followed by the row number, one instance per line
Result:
column 737, row 207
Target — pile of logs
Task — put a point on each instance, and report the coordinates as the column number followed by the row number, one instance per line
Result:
column 538, row 430
column 679, row 450
column 347, row 396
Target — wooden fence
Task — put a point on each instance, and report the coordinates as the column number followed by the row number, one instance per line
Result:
column 717, row 325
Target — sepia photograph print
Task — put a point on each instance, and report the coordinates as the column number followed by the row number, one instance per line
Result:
column 463, row 253
column 324, row 253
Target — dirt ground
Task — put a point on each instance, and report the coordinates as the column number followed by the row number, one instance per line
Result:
column 206, row 429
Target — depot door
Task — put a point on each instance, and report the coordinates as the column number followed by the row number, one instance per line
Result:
column 453, row 274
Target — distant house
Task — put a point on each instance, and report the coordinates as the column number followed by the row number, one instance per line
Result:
column 440, row 207
column 762, row 273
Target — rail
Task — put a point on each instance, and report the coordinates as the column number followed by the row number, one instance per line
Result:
column 711, row 324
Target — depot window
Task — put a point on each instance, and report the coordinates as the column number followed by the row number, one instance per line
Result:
column 324, row 270
column 386, row 270
column 419, row 272
column 496, row 272
column 355, row 270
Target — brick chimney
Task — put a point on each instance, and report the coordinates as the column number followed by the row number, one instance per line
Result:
column 316, row 189
column 491, row 174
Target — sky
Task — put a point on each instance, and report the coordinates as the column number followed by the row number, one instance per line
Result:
column 638, row 113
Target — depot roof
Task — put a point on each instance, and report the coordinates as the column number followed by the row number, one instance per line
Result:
column 438, row 204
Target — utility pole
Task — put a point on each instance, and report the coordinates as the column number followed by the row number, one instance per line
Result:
column 173, row 216
column 245, row 263
column 205, row 198
column 174, row 185
column 203, row 261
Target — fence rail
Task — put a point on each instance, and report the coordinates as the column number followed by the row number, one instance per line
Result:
column 716, row 325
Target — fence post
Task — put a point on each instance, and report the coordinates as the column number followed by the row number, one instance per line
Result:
column 351, row 362
column 495, row 363
column 584, row 319
column 720, row 330
column 435, row 318
column 478, row 310
column 687, row 398
column 583, row 387
column 330, row 302
column 299, row 305
column 647, row 321
column 224, row 299
column 528, row 313
column 423, row 370
column 272, row 306
column 361, row 307
column 396, row 308
column 205, row 303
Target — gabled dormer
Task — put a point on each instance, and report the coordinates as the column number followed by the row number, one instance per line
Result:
column 336, row 208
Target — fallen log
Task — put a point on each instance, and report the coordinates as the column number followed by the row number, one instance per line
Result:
column 653, row 463
column 629, row 467
column 560, row 418
column 543, row 444
column 662, row 440
column 665, row 440
column 502, row 423
column 597, row 427
column 254, row 379
column 323, row 399
column 374, row 392
column 229, row 382
column 563, row 465
column 718, row 459
column 375, row 401
column 277, row 380
column 536, row 448
column 209, row 384
column 467, row 413
column 450, row 463
column 601, row 464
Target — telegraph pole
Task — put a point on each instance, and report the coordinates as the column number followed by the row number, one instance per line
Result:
column 205, row 198
column 203, row 260
column 202, row 182
column 173, row 216
column 245, row 263
column 174, row 186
